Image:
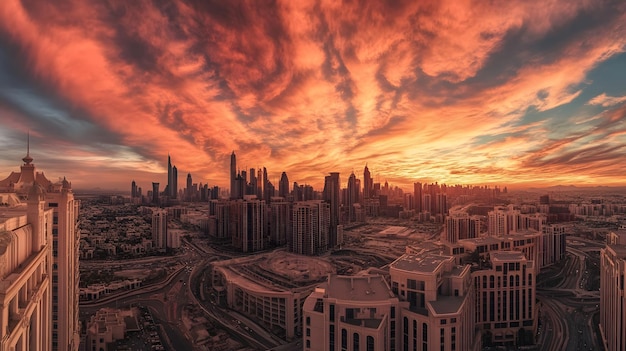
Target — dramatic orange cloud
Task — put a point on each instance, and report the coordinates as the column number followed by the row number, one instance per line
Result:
column 455, row 92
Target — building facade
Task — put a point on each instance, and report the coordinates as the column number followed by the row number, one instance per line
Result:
column 612, row 297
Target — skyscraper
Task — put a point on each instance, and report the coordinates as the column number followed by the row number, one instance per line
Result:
column 174, row 185
column 417, row 197
column 155, row 194
column 168, row 187
column 233, row 176
column 368, row 183
column 59, row 198
column 133, row 190
column 331, row 195
column 188, row 190
column 159, row 228
column 310, row 227
column 283, row 186
column 353, row 197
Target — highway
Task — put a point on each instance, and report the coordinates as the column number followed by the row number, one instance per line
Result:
column 567, row 307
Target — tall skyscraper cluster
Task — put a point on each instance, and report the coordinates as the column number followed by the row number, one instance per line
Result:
column 40, row 280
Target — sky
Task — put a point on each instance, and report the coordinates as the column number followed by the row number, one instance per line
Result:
column 509, row 93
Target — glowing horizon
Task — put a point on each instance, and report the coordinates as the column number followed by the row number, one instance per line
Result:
column 519, row 94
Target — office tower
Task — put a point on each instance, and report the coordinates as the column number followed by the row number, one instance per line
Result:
column 174, row 185
column 59, row 198
column 368, row 183
column 170, row 177
column 459, row 225
column 297, row 192
column 331, row 195
column 133, row 190
column 311, row 223
column 247, row 224
column 219, row 219
column 352, row 197
column 612, row 296
column 506, row 310
column 280, row 223
column 352, row 313
column 259, row 189
column 233, row 176
column 159, row 228
column 554, row 244
column 25, row 231
column 155, row 194
column 417, row 197
column 189, row 191
column 441, row 203
column 253, row 186
column 283, row 186
column 270, row 191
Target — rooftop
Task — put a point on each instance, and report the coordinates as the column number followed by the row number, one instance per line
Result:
column 428, row 263
column 447, row 304
column 358, row 288
column 507, row 256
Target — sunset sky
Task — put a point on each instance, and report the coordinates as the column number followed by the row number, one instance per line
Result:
column 513, row 93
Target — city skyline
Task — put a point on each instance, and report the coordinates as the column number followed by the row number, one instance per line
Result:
column 517, row 95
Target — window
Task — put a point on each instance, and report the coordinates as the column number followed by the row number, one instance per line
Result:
column 355, row 342
column 308, row 331
column 344, row 340
column 308, row 344
column 308, row 320
column 370, row 343
column 332, row 313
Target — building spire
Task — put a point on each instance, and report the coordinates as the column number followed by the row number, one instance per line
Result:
column 27, row 159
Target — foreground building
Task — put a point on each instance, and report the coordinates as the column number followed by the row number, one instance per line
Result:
column 429, row 306
column 59, row 198
column 25, row 285
column 612, row 299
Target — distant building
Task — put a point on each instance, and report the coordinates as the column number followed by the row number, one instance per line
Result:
column 332, row 191
column 159, row 228
column 310, row 225
column 247, row 224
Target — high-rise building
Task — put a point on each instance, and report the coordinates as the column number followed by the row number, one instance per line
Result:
column 331, row 195
column 280, row 223
column 159, row 229
column 368, row 183
column 155, row 194
column 283, row 186
column 189, row 189
column 460, row 225
column 352, row 197
column 248, row 224
column 25, row 270
column 133, row 190
column 65, row 242
column 417, row 197
column 612, row 296
column 174, row 185
column 170, row 177
column 311, row 223
column 233, row 176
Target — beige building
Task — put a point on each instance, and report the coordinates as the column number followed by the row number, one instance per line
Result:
column 506, row 311
column 612, row 298
column 59, row 198
column 107, row 326
column 352, row 313
column 440, row 315
column 25, row 264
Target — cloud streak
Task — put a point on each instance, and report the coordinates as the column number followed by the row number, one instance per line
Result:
column 445, row 91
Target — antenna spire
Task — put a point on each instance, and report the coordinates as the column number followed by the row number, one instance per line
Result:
column 27, row 159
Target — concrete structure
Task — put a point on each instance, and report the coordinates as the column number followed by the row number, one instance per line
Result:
column 107, row 326
column 247, row 224
column 311, row 222
column 553, row 244
column 332, row 191
column 505, row 304
column 159, row 228
column 25, row 273
column 440, row 296
column 612, row 297
column 280, row 227
column 460, row 225
column 65, row 246
column 352, row 313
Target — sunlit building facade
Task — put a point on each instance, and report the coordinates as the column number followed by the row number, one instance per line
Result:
column 612, row 296
column 59, row 198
